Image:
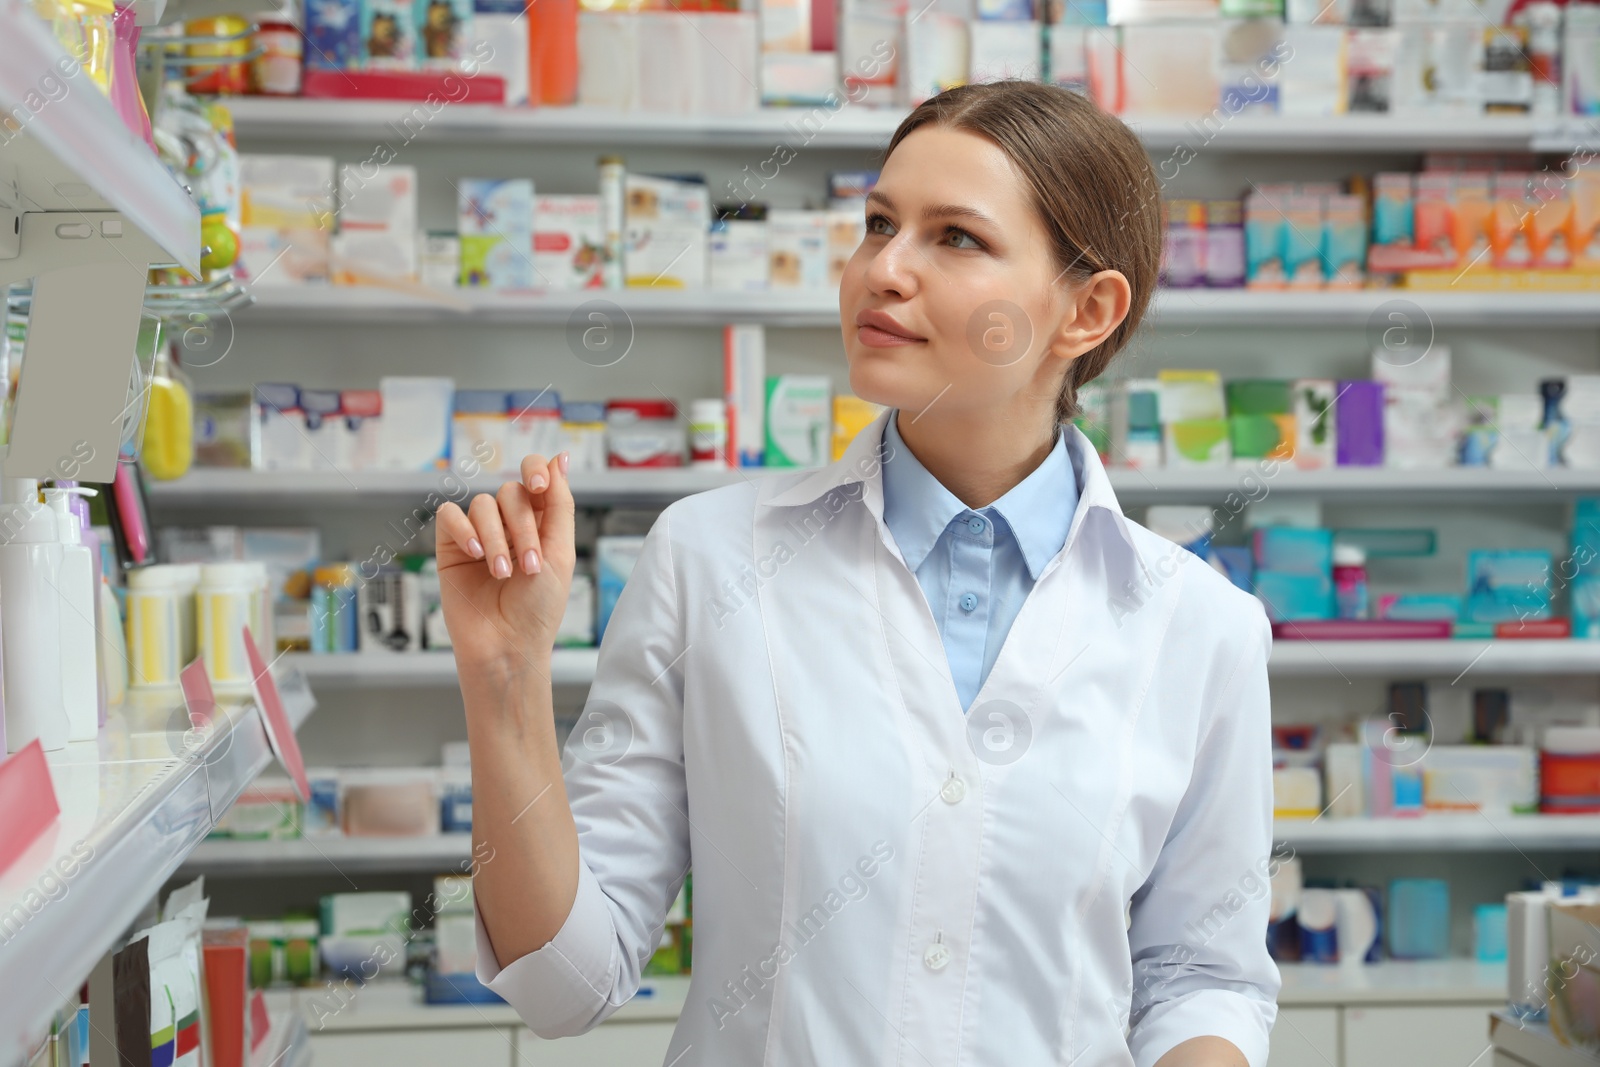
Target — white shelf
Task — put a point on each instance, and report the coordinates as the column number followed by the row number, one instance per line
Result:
column 1427, row 659
column 452, row 852
column 74, row 153
column 856, row 127
column 1452, row 981
column 235, row 487
column 135, row 801
column 390, row 670
column 1442, row 832
column 371, row 305
column 389, row 1005
column 331, row 855
column 1290, row 658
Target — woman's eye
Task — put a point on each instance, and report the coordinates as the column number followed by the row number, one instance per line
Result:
column 880, row 225
column 957, row 237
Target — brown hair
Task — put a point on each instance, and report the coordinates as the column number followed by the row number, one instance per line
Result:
column 1093, row 188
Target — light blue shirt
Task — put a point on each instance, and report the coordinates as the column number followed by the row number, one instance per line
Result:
column 976, row 567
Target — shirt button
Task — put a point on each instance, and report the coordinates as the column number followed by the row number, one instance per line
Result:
column 936, row 956
column 969, row 601
column 975, row 524
column 954, row 791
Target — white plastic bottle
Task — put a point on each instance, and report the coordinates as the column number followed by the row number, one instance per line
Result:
column 80, row 675
column 30, row 618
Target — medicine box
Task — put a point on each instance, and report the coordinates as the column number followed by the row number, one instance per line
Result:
column 739, row 255
column 799, row 420
column 1294, row 597
column 798, row 249
column 377, row 238
column 332, row 34
column 414, row 433
column 442, row 30
column 497, row 42
column 567, row 249
column 285, row 219
column 665, row 224
column 614, row 556
column 278, row 429
column 1315, row 423
column 495, row 221
column 478, row 429
column 1508, row 585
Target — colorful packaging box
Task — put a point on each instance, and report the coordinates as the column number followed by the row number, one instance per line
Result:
column 799, row 420
column 1315, row 423
column 1194, row 418
column 495, row 220
column 478, row 428
column 1359, row 425
column 388, row 35
column 499, row 32
column 740, row 258
column 285, row 219
column 443, row 27
column 798, row 249
column 567, row 249
column 1508, row 585
column 332, row 34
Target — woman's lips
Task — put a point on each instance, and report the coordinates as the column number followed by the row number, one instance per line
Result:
column 875, row 337
column 878, row 329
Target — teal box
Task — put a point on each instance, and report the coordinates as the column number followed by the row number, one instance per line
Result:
column 1585, row 538
column 1295, row 597
column 1419, row 918
column 1423, row 607
column 1585, row 606
column 1295, row 549
column 1508, row 585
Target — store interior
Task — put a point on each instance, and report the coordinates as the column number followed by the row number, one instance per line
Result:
column 281, row 283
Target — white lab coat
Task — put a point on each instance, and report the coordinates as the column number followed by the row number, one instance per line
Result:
column 880, row 878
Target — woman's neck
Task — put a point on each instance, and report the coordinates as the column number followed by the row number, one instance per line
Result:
column 978, row 460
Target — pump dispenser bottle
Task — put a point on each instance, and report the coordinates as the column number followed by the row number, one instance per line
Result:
column 76, row 582
column 30, row 618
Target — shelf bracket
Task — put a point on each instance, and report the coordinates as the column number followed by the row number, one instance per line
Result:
column 89, row 270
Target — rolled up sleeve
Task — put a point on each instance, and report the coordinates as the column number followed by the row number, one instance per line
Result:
column 624, row 774
column 1198, row 930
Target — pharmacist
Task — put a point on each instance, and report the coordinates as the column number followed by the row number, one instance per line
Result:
column 970, row 768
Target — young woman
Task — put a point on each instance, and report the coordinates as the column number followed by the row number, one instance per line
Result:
column 970, row 768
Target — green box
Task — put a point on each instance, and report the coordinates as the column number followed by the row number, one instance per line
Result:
column 1259, row 396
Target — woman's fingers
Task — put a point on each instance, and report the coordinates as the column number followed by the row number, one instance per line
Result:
column 556, row 515
column 452, row 527
column 535, row 473
column 484, row 511
column 516, row 513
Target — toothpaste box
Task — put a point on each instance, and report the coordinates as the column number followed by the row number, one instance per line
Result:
column 567, row 248
column 495, row 221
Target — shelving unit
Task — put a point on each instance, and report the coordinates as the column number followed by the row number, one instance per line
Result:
column 1172, row 308
column 328, row 488
column 441, row 852
column 137, row 800
column 848, row 127
column 1290, row 658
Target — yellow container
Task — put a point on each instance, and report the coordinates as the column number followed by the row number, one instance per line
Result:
column 168, row 449
column 155, row 632
column 227, row 602
column 99, row 34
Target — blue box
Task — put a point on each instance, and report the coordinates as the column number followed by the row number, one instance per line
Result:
column 1235, row 561
column 333, row 34
column 1292, row 597
column 1423, row 607
column 1508, row 585
column 1419, row 918
column 1293, row 549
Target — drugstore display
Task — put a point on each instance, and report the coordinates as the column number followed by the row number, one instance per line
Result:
column 481, row 229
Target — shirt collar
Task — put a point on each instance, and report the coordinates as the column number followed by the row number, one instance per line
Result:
column 859, row 473
column 1038, row 510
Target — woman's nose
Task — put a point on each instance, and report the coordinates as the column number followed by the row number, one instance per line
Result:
column 893, row 271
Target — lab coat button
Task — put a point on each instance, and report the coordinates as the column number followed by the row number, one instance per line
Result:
column 936, row 956
column 954, row 791
column 969, row 601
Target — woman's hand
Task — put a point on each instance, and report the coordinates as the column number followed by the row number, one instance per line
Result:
column 505, row 565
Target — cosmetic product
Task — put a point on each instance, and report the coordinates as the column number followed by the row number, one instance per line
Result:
column 30, row 619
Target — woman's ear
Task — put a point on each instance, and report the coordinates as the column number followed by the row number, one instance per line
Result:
column 1092, row 311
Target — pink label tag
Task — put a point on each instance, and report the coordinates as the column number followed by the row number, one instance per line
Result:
column 197, row 695
column 280, row 734
column 28, row 798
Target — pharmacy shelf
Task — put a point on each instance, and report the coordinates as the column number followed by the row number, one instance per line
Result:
column 453, row 852
column 389, row 1005
column 1389, row 982
column 391, row 670
column 205, row 487
column 373, row 305
column 73, row 153
column 1441, row 832
column 331, row 855
column 403, row 122
column 133, row 803
column 1290, row 658
column 1427, row 659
